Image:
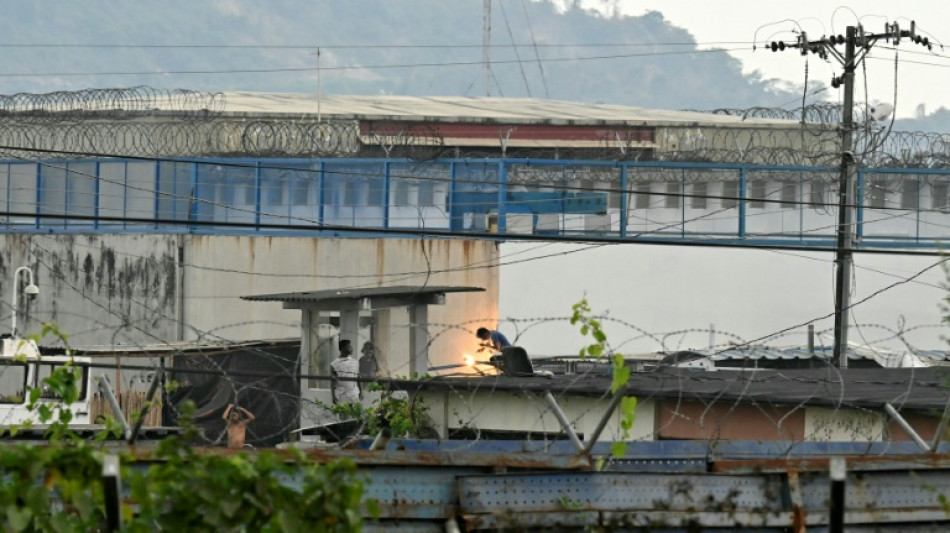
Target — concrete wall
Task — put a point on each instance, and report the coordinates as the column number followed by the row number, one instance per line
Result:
column 226, row 268
column 130, row 290
column 99, row 290
column 503, row 410
column 666, row 419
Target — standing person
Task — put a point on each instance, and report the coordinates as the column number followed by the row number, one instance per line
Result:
column 369, row 364
column 345, row 366
column 237, row 425
column 491, row 339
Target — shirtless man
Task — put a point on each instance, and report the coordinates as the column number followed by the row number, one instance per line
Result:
column 237, row 425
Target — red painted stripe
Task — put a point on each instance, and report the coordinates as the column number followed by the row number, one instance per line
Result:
column 509, row 131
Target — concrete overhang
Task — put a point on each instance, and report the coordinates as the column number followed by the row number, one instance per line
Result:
column 364, row 299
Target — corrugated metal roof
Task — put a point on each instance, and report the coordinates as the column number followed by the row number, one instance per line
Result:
column 911, row 388
column 404, row 291
column 883, row 356
column 472, row 109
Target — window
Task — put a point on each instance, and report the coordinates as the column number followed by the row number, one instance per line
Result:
column 275, row 192
column 250, row 194
column 730, row 194
column 351, row 191
column 757, row 193
column 673, row 192
column 375, row 192
column 426, row 194
column 301, row 194
column 45, row 370
column 400, row 193
column 700, row 192
column 909, row 194
column 877, row 192
column 938, row 196
column 613, row 194
column 817, row 197
column 789, row 194
column 12, row 382
column 643, row 198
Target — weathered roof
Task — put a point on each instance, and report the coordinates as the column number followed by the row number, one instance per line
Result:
column 397, row 292
column 908, row 388
column 473, row 109
column 883, row 356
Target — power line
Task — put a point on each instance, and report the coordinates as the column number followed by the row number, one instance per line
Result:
column 159, row 72
column 437, row 46
column 338, row 230
column 857, row 45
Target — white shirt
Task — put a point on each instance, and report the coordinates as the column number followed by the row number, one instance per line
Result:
column 346, row 391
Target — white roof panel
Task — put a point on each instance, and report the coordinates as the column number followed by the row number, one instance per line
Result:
column 470, row 109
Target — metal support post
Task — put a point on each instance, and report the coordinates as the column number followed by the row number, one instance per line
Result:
column 941, row 428
column 906, row 427
column 565, row 425
column 156, row 379
column 382, row 439
column 603, row 420
column 798, row 506
column 837, row 471
column 112, row 488
column 106, row 390
column 418, row 339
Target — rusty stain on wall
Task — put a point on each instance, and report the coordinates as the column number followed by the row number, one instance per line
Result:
column 124, row 288
column 98, row 289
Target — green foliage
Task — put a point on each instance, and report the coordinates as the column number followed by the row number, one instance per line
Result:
column 619, row 371
column 51, row 488
column 405, row 417
column 187, row 490
column 58, row 487
column 63, row 383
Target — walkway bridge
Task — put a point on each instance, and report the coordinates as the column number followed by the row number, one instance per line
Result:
column 505, row 199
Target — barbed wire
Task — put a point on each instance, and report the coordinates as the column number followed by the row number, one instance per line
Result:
column 126, row 101
column 196, row 124
column 136, row 328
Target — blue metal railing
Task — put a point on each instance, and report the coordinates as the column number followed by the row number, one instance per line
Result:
column 489, row 198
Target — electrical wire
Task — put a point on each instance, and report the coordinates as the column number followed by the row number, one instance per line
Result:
column 165, row 72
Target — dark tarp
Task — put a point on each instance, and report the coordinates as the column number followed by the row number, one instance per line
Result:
column 261, row 378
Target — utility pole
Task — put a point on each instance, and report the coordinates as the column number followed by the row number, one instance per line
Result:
column 857, row 45
column 845, row 240
column 486, row 44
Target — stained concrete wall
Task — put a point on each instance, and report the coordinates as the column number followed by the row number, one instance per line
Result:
column 99, row 289
column 134, row 289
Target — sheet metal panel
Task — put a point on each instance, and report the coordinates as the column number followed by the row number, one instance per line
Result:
column 903, row 500
column 404, row 493
column 605, row 491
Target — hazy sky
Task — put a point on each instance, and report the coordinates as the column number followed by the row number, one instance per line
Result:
column 922, row 75
column 667, row 297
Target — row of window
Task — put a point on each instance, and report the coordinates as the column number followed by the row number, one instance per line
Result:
column 879, row 193
column 351, row 192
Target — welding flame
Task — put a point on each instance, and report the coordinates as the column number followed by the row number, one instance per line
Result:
column 468, row 360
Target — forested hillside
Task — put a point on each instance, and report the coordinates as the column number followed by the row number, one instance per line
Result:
column 423, row 47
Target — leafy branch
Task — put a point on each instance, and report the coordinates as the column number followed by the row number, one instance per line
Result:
column 619, row 371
